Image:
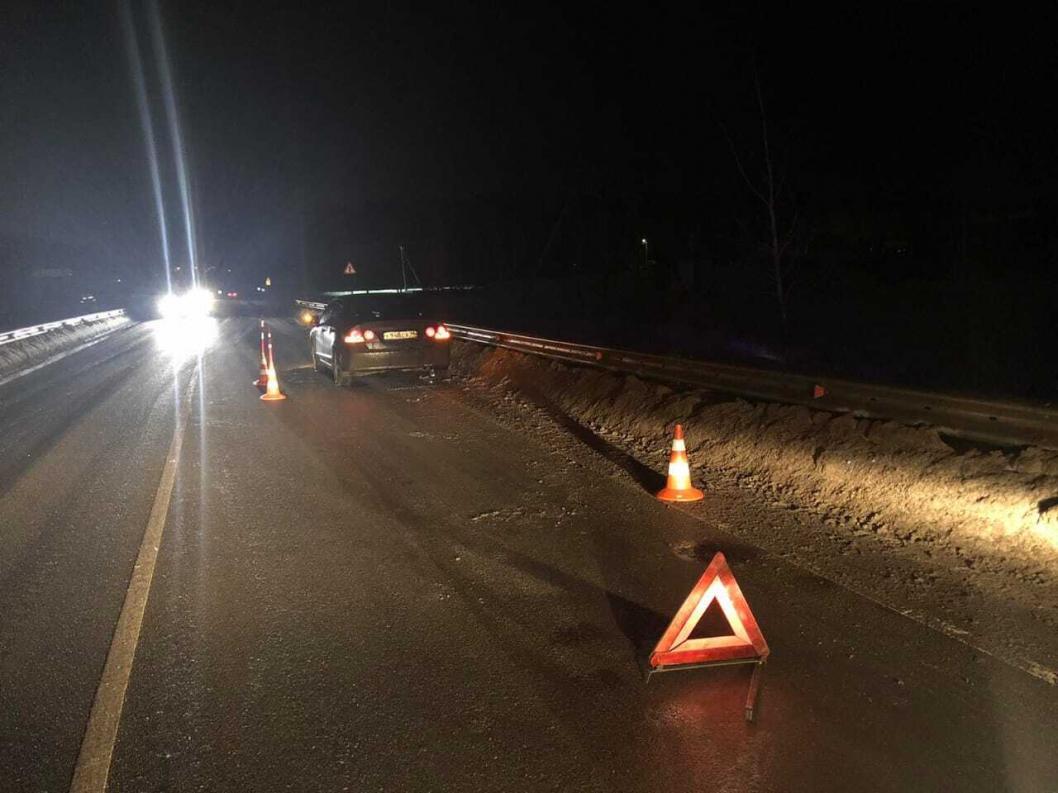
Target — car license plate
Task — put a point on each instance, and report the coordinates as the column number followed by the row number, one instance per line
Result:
column 390, row 335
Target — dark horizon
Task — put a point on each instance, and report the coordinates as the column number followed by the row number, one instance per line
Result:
column 714, row 442
column 911, row 141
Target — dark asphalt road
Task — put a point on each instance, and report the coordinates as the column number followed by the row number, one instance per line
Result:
column 386, row 587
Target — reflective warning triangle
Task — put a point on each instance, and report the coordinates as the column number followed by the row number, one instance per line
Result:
column 349, row 269
column 717, row 583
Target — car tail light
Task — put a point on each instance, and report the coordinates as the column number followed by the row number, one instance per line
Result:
column 357, row 336
column 441, row 334
column 430, row 331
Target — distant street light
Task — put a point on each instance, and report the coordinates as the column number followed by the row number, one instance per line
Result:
column 646, row 253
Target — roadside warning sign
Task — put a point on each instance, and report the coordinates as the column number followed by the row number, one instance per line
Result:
column 349, row 269
column 718, row 585
column 744, row 645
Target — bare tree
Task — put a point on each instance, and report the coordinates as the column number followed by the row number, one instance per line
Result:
column 769, row 191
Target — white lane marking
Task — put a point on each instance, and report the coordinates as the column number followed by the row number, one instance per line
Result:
column 97, row 747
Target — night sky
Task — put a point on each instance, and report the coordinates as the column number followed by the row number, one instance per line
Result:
column 294, row 112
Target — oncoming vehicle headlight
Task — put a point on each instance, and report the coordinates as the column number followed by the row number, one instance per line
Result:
column 199, row 303
column 196, row 303
column 169, row 305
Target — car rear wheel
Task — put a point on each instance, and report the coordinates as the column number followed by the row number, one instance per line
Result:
column 316, row 365
column 337, row 372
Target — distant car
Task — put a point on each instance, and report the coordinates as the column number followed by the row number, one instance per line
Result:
column 366, row 334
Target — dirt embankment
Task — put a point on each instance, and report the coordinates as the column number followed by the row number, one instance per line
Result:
column 987, row 519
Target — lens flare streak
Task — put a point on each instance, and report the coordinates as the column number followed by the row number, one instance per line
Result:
column 161, row 54
column 147, row 122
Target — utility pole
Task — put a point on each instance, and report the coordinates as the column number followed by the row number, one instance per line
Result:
column 405, row 264
column 403, row 272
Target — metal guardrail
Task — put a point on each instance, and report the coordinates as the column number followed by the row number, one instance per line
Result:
column 1007, row 423
column 407, row 290
column 313, row 305
column 1002, row 422
column 36, row 330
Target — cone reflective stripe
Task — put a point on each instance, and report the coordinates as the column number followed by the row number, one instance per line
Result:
column 679, row 487
column 262, row 377
column 272, row 391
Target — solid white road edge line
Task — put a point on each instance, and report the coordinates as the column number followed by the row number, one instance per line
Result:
column 97, row 746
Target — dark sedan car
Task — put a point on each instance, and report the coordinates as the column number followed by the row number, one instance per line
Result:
column 364, row 334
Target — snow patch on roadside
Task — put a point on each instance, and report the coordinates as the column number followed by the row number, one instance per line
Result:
column 19, row 357
column 935, row 516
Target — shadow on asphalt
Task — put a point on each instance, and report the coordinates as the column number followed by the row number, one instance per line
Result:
column 647, row 478
column 641, row 626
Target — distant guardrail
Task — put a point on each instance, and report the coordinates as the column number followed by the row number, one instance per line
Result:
column 36, row 330
column 1002, row 422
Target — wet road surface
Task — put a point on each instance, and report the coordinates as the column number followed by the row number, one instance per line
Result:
column 388, row 587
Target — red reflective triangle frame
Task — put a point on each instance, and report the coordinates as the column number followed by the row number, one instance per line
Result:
column 747, row 642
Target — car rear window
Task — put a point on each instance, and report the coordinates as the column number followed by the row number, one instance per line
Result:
column 384, row 307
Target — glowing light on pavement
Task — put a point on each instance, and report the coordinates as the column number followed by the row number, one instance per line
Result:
column 181, row 338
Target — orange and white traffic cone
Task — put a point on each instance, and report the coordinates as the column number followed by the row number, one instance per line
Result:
column 262, row 378
column 272, row 392
column 679, row 487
